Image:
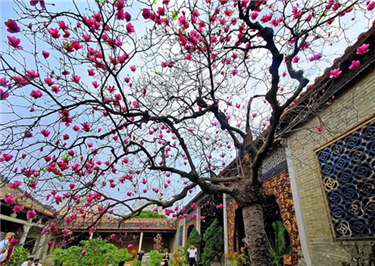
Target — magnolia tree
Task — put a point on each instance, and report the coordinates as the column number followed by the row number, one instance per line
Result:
column 110, row 107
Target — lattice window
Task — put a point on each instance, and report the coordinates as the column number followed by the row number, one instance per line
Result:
column 348, row 173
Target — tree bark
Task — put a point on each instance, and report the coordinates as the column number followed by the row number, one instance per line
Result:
column 257, row 241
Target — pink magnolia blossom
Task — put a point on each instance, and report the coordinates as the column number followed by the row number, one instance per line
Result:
column 13, row 241
column 49, row 81
column 55, row 89
column 12, row 26
column 371, row 6
column 133, row 68
column 54, row 32
column 95, row 84
column 335, row 73
column 136, row 104
column 36, row 94
column 50, row 243
column 254, row 15
column 146, row 13
column 13, row 41
column 31, row 74
column 15, row 184
column 3, row 94
column 45, row 54
column 83, row 252
column 320, row 129
column 45, row 132
column 363, row 49
column 41, row 2
column 28, row 134
column 130, row 28
column 76, row 78
column 355, row 64
column 91, row 72
column 228, row 12
column 9, row 198
column 130, row 246
column 295, row 59
column 7, row 157
column 18, row 208
column 87, row 37
column 31, row 214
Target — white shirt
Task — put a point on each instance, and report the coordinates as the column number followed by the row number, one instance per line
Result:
column 25, row 264
column 192, row 252
column 4, row 244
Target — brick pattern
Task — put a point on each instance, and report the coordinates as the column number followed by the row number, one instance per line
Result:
column 353, row 106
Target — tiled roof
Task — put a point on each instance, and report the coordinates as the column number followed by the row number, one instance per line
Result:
column 133, row 224
column 28, row 202
column 318, row 95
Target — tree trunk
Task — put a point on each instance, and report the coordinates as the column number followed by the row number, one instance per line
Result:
column 257, row 241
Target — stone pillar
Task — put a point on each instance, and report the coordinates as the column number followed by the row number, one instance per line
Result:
column 40, row 247
column 183, row 232
column 298, row 206
column 44, row 248
column 225, row 223
column 140, row 242
column 26, row 229
column 198, row 219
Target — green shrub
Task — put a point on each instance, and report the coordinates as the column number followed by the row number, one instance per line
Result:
column 96, row 252
column 281, row 248
column 19, row 255
column 136, row 263
column 150, row 214
column 213, row 243
column 178, row 258
column 154, row 258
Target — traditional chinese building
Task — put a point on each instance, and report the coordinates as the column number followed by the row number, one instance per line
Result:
column 331, row 165
column 28, row 231
column 135, row 234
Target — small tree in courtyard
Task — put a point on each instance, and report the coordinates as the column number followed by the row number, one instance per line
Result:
column 110, row 107
column 158, row 243
column 213, row 243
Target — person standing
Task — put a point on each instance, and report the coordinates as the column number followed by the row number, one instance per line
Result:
column 6, row 247
column 28, row 262
column 165, row 259
column 192, row 253
column 140, row 255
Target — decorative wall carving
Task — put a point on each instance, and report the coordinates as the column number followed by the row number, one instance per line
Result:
column 231, row 214
column 194, row 222
column 280, row 187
